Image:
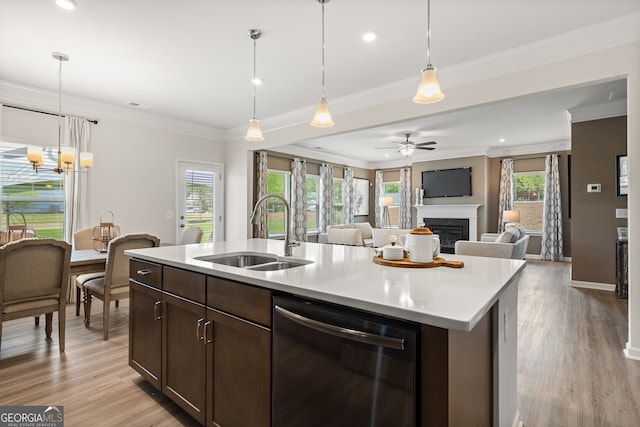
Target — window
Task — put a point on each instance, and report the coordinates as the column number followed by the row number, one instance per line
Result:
column 392, row 189
column 278, row 182
column 38, row 196
column 528, row 198
column 338, row 201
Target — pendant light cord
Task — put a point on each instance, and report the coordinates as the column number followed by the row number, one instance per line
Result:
column 59, row 114
column 254, row 79
column 323, row 93
column 429, row 33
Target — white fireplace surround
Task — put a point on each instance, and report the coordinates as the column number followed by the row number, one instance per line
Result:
column 469, row 212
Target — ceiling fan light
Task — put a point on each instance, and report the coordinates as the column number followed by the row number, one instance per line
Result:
column 322, row 117
column 406, row 150
column 67, row 4
column 429, row 89
column 254, row 133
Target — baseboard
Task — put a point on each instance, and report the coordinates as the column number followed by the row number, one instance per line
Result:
column 539, row 257
column 631, row 352
column 593, row 285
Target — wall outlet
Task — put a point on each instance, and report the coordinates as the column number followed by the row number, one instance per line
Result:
column 622, row 213
column 594, row 188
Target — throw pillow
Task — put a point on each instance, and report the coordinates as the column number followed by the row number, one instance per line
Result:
column 505, row 237
column 517, row 234
column 365, row 229
column 344, row 236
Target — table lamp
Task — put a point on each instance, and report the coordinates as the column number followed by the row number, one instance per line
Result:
column 510, row 218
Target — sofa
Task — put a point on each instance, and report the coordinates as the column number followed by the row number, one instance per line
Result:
column 359, row 234
column 512, row 243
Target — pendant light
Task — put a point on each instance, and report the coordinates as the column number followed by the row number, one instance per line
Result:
column 429, row 88
column 254, row 133
column 322, row 117
column 66, row 155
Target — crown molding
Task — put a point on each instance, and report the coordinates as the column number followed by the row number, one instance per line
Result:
column 46, row 100
column 326, row 156
column 599, row 111
column 521, row 150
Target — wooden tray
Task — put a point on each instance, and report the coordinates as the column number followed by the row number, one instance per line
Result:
column 404, row 262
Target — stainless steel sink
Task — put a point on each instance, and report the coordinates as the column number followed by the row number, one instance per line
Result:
column 254, row 261
column 279, row 265
column 239, row 259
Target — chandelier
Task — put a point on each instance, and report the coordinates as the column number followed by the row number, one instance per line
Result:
column 66, row 155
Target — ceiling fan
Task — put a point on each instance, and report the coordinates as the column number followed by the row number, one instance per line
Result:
column 407, row 147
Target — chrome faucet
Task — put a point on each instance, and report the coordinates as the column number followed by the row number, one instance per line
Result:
column 287, row 219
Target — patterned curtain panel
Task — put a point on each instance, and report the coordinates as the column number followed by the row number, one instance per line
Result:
column 77, row 135
column 552, row 219
column 377, row 194
column 348, row 194
column 326, row 197
column 405, row 199
column 260, row 229
column 505, row 199
column 299, row 200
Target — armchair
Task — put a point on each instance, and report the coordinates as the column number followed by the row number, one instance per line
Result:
column 511, row 243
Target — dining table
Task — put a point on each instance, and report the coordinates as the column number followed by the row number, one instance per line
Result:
column 84, row 261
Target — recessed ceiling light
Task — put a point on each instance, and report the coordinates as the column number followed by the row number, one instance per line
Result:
column 257, row 81
column 369, row 36
column 67, row 4
column 386, row 155
column 501, row 140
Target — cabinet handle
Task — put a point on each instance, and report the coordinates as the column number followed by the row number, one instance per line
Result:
column 198, row 328
column 143, row 272
column 157, row 307
column 206, row 335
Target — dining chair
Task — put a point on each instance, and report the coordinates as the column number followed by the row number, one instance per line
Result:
column 114, row 285
column 34, row 274
column 83, row 240
column 191, row 235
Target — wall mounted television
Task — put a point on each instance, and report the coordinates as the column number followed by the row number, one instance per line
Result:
column 447, row 183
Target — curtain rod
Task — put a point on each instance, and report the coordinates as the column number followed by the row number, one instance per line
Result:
column 531, row 158
column 95, row 122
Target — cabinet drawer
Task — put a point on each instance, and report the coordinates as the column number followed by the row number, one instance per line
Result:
column 245, row 301
column 146, row 272
column 185, row 284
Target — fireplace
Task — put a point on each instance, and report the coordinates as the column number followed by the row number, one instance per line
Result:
column 450, row 230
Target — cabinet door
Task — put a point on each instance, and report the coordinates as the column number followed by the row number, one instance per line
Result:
column 145, row 332
column 184, row 354
column 239, row 362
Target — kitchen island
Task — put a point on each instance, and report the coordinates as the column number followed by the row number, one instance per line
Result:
column 467, row 322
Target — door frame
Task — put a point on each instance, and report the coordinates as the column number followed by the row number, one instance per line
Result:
column 219, row 196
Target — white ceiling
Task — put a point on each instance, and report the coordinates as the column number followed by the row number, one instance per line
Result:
column 191, row 60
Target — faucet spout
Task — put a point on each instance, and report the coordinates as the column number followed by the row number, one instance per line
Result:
column 287, row 218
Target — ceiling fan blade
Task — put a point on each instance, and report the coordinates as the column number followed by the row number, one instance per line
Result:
column 426, row 143
column 385, row 148
column 425, row 148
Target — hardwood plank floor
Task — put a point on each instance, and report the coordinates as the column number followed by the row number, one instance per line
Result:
column 571, row 369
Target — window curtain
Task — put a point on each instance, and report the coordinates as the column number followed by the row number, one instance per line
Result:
column 405, row 199
column 78, row 136
column 377, row 194
column 298, row 200
column 505, row 199
column 260, row 229
column 348, row 194
column 552, row 218
column 326, row 197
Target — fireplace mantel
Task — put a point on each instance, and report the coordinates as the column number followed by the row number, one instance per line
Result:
column 469, row 211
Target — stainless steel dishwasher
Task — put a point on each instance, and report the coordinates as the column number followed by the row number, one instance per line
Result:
column 334, row 366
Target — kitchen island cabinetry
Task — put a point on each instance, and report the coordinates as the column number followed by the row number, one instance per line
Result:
column 213, row 364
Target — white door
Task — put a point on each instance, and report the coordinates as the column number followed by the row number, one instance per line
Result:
column 200, row 199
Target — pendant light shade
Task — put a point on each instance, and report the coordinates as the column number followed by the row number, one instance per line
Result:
column 322, row 117
column 429, row 89
column 254, row 134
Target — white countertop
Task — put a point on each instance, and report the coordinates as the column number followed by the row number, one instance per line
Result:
column 445, row 297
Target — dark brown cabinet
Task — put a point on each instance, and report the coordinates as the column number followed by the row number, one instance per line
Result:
column 205, row 342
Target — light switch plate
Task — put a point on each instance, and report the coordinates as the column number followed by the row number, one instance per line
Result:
column 622, row 213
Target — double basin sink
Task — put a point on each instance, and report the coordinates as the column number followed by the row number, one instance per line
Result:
column 256, row 261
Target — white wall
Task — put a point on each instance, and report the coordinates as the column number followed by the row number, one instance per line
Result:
column 134, row 167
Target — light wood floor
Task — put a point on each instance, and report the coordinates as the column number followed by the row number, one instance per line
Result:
column 572, row 371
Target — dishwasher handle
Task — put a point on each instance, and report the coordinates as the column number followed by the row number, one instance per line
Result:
column 350, row 334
